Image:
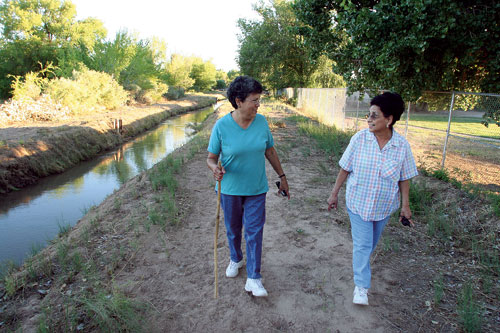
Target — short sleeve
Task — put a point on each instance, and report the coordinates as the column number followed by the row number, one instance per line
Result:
column 409, row 168
column 215, row 141
column 346, row 161
column 270, row 140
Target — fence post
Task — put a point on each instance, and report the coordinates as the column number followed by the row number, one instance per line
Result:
column 448, row 130
column 357, row 111
column 407, row 118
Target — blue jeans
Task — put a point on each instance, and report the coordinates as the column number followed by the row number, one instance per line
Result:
column 365, row 236
column 248, row 212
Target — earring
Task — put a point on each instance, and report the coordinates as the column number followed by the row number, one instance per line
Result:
column 387, row 125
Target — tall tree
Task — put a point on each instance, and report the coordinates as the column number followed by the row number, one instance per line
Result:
column 204, row 74
column 52, row 21
column 43, row 31
column 177, row 72
column 271, row 50
column 407, row 46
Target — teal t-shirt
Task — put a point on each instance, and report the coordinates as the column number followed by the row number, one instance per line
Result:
column 241, row 152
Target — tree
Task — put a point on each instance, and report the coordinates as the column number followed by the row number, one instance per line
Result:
column 203, row 74
column 232, row 74
column 407, row 46
column 51, row 21
column 177, row 72
column 43, row 31
column 270, row 49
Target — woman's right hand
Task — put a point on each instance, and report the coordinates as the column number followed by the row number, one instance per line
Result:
column 219, row 172
column 333, row 201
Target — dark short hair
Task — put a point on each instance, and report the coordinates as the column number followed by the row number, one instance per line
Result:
column 241, row 87
column 391, row 104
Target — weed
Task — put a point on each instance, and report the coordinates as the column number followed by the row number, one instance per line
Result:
column 117, row 203
column 35, row 248
column 62, row 254
column 306, row 151
column 300, row 231
column 297, row 119
column 438, row 290
column 328, row 138
column 441, row 174
column 195, row 127
column 86, row 234
column 495, row 203
column 13, row 282
column 390, row 245
column 64, row 228
column 322, row 169
column 439, row 224
column 154, row 217
column 94, row 223
column 85, row 209
column 468, row 309
column 113, row 312
column 76, row 262
column 420, row 197
column 31, row 267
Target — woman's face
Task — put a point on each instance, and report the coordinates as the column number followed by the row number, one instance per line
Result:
column 249, row 106
column 376, row 120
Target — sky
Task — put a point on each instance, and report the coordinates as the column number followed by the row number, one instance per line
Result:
column 203, row 28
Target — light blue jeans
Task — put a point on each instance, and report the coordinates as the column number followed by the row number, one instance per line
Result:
column 247, row 212
column 365, row 236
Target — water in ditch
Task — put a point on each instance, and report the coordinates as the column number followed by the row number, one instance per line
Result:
column 31, row 217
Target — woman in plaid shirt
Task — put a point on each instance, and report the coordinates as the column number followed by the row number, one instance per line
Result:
column 377, row 164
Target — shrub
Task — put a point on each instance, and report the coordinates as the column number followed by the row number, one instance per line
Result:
column 87, row 91
column 175, row 93
column 155, row 93
column 30, row 86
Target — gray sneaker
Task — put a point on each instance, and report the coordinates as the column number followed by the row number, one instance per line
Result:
column 360, row 296
column 232, row 268
column 255, row 287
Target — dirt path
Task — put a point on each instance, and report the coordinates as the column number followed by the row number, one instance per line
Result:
column 121, row 248
column 306, row 262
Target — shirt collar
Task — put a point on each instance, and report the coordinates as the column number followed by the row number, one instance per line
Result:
column 395, row 140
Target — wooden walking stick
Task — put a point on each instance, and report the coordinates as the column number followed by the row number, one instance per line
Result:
column 217, row 217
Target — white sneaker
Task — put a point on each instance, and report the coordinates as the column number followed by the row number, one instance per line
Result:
column 360, row 296
column 233, row 267
column 255, row 286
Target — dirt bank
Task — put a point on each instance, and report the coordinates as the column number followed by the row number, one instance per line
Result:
column 135, row 263
column 29, row 151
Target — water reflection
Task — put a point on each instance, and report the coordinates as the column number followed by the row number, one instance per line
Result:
column 31, row 216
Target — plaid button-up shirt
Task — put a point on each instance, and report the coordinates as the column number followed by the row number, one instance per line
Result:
column 372, row 185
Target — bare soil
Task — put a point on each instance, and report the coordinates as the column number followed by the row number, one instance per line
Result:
column 306, row 262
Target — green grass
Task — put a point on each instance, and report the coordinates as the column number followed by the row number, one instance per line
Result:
column 468, row 309
column 459, row 125
column 328, row 138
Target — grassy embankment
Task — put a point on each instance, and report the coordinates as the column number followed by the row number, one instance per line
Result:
column 56, row 148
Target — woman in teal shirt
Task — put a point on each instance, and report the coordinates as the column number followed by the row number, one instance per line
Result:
column 243, row 142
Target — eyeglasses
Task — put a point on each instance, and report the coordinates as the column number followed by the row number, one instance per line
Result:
column 255, row 101
column 372, row 116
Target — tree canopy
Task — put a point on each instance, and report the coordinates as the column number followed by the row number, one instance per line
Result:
column 41, row 32
column 407, row 46
column 272, row 51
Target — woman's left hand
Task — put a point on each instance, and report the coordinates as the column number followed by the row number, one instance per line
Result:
column 284, row 187
column 406, row 212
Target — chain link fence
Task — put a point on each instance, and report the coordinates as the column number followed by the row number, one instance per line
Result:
column 445, row 129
